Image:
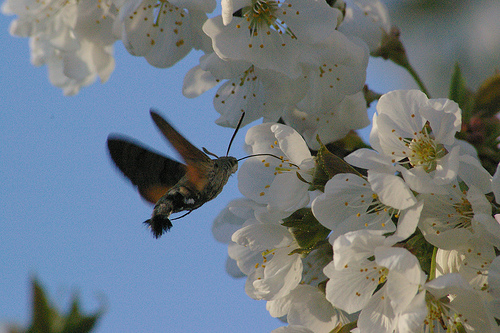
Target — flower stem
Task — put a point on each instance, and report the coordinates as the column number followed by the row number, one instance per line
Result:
column 392, row 48
column 417, row 79
column 432, row 273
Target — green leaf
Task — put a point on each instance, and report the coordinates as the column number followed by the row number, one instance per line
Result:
column 460, row 93
column 487, row 99
column 76, row 322
column 47, row 319
column 43, row 314
column 419, row 247
column 307, row 231
column 327, row 166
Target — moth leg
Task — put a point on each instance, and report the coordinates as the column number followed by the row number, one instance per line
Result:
column 180, row 217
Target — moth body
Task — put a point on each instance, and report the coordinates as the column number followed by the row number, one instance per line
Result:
column 172, row 186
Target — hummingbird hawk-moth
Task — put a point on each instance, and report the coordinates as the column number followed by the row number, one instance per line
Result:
column 172, row 186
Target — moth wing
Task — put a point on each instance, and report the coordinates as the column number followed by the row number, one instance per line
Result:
column 198, row 163
column 152, row 173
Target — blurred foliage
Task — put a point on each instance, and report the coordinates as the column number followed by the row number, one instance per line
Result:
column 480, row 122
column 47, row 319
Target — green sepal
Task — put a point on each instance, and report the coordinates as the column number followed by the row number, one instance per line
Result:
column 327, row 166
column 305, row 251
column 47, row 319
column 306, row 230
column 345, row 328
column 301, row 178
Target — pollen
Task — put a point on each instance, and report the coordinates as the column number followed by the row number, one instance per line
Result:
column 262, row 194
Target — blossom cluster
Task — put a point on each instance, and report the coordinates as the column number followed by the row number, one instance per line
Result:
column 303, row 61
column 402, row 237
column 345, row 253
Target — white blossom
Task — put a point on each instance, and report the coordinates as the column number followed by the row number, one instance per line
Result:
column 368, row 20
column 292, row 57
column 307, row 308
column 292, row 329
column 452, row 302
column 273, row 180
column 271, row 268
column 411, row 130
column 272, row 34
column 362, row 261
column 74, row 39
column 450, row 221
column 494, row 287
column 348, row 204
column 471, row 260
column 330, row 124
column 320, row 101
column 164, row 32
column 228, row 221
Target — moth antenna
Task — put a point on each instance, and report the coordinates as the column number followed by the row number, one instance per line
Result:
column 279, row 158
column 205, row 150
column 235, row 131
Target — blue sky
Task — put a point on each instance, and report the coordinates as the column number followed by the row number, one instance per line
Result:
column 68, row 217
